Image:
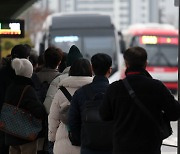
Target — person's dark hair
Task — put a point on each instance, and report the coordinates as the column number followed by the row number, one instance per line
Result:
column 40, row 62
column 63, row 64
column 101, row 62
column 135, row 57
column 33, row 58
column 41, row 59
column 21, row 51
column 80, row 67
column 52, row 57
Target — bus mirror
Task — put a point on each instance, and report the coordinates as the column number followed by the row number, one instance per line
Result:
column 122, row 46
column 41, row 48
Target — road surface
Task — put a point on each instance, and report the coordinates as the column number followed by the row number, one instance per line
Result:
column 172, row 140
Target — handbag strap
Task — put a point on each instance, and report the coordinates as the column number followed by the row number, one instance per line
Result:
column 66, row 93
column 139, row 103
column 22, row 94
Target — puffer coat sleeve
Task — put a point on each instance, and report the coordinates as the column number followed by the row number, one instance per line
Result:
column 53, row 118
column 53, row 88
column 58, row 131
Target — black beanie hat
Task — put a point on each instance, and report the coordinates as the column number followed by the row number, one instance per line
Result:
column 73, row 55
column 20, row 51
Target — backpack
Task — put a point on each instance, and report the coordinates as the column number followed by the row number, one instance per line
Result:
column 42, row 88
column 96, row 134
column 65, row 109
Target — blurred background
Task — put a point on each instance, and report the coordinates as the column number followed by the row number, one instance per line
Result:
column 123, row 13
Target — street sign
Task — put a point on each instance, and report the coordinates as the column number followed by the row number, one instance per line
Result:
column 11, row 28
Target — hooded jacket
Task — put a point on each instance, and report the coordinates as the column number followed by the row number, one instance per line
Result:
column 74, row 54
column 58, row 131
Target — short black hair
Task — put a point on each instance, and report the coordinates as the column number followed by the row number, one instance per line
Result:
column 101, row 62
column 21, row 51
column 33, row 58
column 135, row 57
column 63, row 64
column 52, row 57
column 80, row 67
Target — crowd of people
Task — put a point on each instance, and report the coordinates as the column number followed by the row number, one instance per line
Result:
column 100, row 118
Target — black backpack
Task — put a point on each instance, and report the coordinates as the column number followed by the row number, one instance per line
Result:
column 42, row 87
column 43, row 90
column 95, row 133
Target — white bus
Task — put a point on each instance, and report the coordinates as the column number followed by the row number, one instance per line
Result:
column 91, row 33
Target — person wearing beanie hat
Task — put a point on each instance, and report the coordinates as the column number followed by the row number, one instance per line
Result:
column 73, row 55
column 22, row 67
column 7, row 76
column 30, row 102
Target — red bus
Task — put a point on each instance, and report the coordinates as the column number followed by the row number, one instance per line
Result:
column 161, row 44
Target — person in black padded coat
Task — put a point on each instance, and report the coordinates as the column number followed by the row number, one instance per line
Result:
column 30, row 102
column 134, row 132
column 7, row 75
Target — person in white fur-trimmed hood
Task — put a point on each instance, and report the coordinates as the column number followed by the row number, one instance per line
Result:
column 23, row 70
column 73, row 54
column 80, row 74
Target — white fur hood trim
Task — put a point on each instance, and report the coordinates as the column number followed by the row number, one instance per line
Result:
column 76, row 81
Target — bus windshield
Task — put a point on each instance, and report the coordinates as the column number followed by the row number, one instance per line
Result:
column 159, row 54
column 88, row 41
column 162, row 55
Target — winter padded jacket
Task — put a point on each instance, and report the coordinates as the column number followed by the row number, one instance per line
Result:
column 133, row 131
column 53, row 88
column 29, row 102
column 58, row 131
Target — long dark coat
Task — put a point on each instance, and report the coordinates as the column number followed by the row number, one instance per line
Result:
column 29, row 102
column 133, row 131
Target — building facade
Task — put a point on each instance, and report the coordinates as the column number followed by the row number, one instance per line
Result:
column 123, row 12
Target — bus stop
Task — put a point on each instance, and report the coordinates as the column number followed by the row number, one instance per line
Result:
column 15, row 9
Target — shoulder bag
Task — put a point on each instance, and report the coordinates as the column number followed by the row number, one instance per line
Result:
column 164, row 127
column 19, row 122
